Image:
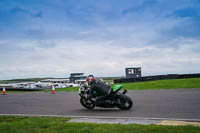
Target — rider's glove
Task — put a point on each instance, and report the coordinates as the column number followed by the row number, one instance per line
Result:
column 88, row 97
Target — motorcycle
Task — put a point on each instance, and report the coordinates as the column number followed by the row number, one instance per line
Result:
column 116, row 98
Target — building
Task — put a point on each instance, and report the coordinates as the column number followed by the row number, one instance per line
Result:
column 133, row 72
column 61, row 80
column 77, row 77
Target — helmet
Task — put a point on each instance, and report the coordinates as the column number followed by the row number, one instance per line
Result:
column 90, row 78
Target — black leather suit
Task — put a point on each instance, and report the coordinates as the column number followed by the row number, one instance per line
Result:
column 101, row 88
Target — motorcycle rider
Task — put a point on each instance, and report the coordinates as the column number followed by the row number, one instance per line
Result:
column 100, row 87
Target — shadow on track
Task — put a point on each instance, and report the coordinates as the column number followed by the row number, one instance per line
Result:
column 104, row 110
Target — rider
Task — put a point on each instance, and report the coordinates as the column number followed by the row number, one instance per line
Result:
column 101, row 88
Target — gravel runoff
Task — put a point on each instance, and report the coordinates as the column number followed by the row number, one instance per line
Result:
column 136, row 121
column 116, row 121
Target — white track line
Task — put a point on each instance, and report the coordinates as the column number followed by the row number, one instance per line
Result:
column 100, row 117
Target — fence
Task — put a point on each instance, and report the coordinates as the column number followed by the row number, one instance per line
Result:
column 157, row 77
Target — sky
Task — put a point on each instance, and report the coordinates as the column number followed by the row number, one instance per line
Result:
column 53, row 38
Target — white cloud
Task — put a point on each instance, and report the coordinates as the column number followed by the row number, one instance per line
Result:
column 100, row 58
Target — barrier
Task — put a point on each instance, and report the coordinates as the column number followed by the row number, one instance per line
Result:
column 157, row 77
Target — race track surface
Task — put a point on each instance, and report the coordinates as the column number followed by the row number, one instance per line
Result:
column 180, row 104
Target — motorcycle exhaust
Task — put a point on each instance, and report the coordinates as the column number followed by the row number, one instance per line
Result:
column 124, row 92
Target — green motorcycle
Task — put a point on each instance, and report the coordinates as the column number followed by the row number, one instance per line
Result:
column 116, row 98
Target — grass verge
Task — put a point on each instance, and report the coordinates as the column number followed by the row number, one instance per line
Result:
column 70, row 89
column 12, row 124
column 163, row 84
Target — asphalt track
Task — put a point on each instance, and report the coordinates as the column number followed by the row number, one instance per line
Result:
column 177, row 104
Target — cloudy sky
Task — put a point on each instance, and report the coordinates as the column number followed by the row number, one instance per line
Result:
column 52, row 38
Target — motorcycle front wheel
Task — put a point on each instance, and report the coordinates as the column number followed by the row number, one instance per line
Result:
column 124, row 102
column 87, row 103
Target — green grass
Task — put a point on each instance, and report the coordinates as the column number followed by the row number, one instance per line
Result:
column 11, row 124
column 163, row 84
